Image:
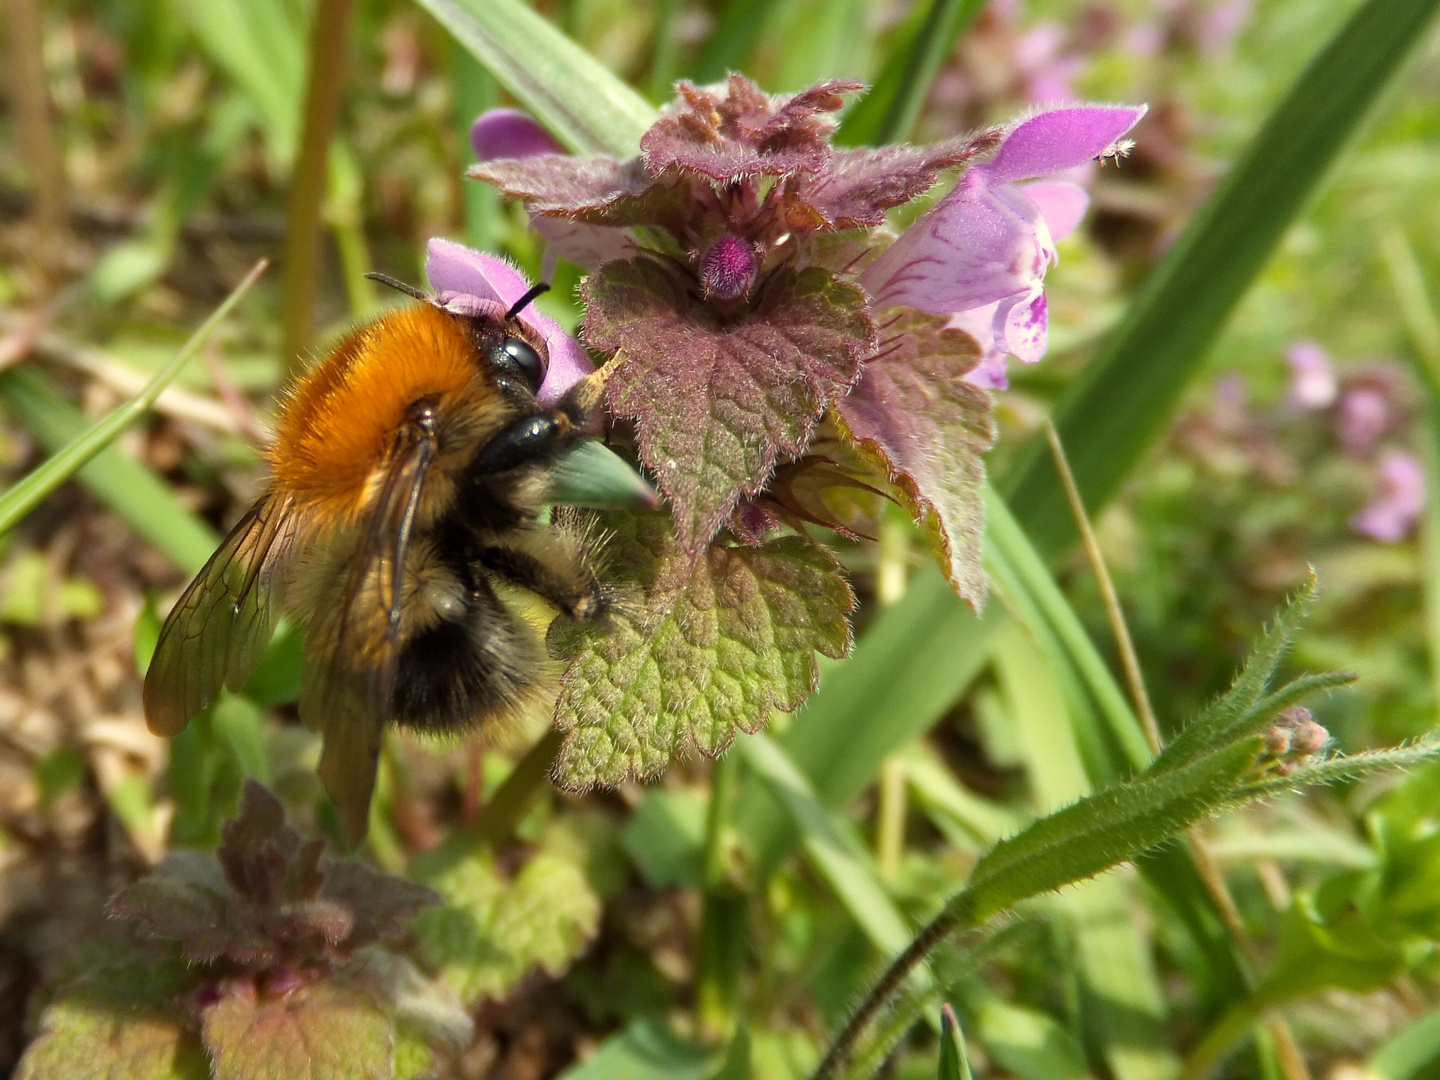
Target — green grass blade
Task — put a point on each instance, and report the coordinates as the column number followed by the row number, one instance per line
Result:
column 1126, row 394
column 911, row 665
column 572, row 94
column 30, row 491
column 834, row 850
column 1413, row 1054
column 733, row 40
column 954, row 1061
column 124, row 485
column 888, row 112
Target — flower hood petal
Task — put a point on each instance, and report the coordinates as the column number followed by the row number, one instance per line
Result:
column 458, row 274
column 1060, row 139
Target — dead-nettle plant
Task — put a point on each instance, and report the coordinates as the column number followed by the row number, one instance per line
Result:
column 774, row 351
column 1252, row 743
column 268, row 957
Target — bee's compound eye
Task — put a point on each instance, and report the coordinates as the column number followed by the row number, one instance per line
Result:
column 520, row 357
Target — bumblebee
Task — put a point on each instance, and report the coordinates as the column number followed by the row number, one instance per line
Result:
column 409, row 471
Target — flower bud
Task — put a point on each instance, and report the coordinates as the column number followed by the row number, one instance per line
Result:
column 729, row 268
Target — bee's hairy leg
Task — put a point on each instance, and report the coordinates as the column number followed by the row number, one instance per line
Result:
column 523, row 441
column 551, row 564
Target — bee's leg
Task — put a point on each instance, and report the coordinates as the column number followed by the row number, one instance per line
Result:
column 552, row 563
column 522, row 442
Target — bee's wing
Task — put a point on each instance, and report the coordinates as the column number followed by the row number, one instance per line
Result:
column 349, row 676
column 220, row 626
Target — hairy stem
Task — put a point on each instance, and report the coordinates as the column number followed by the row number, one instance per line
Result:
column 951, row 920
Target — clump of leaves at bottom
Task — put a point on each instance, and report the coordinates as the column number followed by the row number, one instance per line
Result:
column 269, row 957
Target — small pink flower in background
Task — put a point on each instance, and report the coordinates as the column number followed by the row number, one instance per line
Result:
column 1313, row 384
column 1391, row 515
column 1362, row 416
column 471, row 283
column 980, row 255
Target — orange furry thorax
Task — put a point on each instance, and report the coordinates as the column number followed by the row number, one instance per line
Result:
column 338, row 422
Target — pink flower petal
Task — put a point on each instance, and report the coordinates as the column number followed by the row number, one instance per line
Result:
column 1022, row 323
column 990, row 373
column 1059, row 139
column 976, row 246
column 1393, row 512
column 1313, row 384
column 459, row 274
column 510, row 133
column 1062, row 205
column 587, row 246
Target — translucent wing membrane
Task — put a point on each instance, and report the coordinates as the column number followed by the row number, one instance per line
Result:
column 349, row 677
column 219, row 628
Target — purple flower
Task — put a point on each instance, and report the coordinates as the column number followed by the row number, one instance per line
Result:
column 471, row 283
column 741, row 278
column 981, row 253
column 1391, row 515
column 1361, row 418
column 1312, row 383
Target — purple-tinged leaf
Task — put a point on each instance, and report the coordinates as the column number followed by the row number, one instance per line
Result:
column 269, row 896
column 858, row 186
column 600, row 190
column 716, row 401
column 704, row 648
column 915, row 414
column 740, row 132
column 85, row 1039
column 319, row 1032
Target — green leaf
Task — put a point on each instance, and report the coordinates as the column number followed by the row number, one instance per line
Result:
column 1103, row 830
column 571, row 93
column 1026, row 1041
column 954, row 1061
column 1127, row 392
column 491, row 930
column 888, row 112
column 86, row 1039
column 646, row 1050
column 666, row 838
column 714, row 645
column 323, row 1032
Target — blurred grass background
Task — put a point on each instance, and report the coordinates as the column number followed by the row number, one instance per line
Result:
column 151, row 151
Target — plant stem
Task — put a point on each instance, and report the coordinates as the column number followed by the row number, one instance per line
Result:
column 329, row 39
column 1128, row 658
column 722, row 912
column 25, row 53
column 949, row 921
column 513, row 797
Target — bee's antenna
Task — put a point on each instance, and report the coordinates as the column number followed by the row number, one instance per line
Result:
column 524, row 301
column 399, row 286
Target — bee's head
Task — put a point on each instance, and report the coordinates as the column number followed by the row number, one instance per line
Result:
column 508, row 345
column 512, row 351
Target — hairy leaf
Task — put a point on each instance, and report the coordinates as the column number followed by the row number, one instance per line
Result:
column 741, row 132
column 915, row 414
column 267, row 894
column 85, row 1039
column 717, row 400
column 708, row 647
column 492, row 930
column 858, row 186
column 321, row 1032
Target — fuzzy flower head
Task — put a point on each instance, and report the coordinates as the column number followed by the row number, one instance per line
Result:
column 742, row 276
